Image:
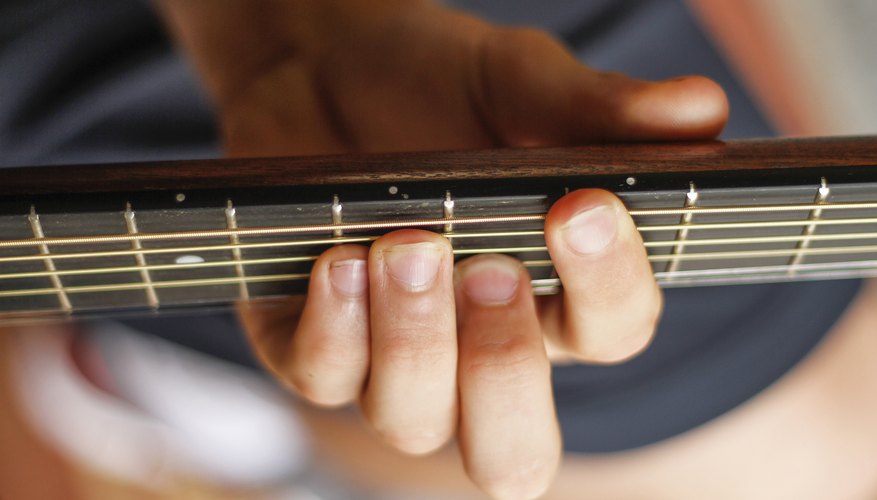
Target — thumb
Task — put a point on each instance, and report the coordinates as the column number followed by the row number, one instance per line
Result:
column 533, row 92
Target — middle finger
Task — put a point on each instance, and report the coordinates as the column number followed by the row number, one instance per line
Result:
column 411, row 397
column 509, row 434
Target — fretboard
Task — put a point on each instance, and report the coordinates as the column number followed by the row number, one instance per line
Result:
column 167, row 237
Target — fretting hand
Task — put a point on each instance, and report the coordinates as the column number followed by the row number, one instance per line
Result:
column 431, row 349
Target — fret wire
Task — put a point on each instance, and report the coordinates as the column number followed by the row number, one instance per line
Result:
column 821, row 198
column 337, row 217
column 231, row 222
column 682, row 234
column 57, row 287
column 448, row 213
column 269, row 231
column 131, row 223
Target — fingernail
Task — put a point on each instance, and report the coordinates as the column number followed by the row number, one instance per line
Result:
column 349, row 277
column 592, row 230
column 490, row 281
column 414, row 266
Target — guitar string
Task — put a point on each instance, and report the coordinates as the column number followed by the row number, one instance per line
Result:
column 270, row 231
column 771, row 270
column 550, row 286
column 115, row 287
column 750, row 240
column 360, row 239
column 650, row 244
column 857, row 249
column 489, row 234
column 471, row 220
column 399, row 224
column 189, row 249
column 812, row 251
column 540, row 286
column 759, row 224
column 260, row 245
column 547, row 286
column 751, row 208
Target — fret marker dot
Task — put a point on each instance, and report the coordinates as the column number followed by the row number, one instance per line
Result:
column 393, row 190
column 189, row 259
column 630, row 181
column 180, row 197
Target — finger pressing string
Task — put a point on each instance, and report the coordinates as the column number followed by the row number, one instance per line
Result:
column 508, row 430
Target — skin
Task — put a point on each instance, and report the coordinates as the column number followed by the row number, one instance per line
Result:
column 431, row 351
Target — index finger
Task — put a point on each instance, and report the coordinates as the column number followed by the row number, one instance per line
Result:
column 611, row 302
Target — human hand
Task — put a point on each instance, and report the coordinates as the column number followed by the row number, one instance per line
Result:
column 431, row 349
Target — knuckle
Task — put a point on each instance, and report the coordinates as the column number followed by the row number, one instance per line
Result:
column 327, row 349
column 521, row 49
column 516, row 362
column 526, row 480
column 417, row 441
column 326, row 370
column 421, row 345
column 529, row 39
column 317, row 392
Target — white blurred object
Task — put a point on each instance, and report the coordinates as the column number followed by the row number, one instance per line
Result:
column 182, row 413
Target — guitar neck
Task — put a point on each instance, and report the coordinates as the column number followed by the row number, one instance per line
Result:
column 164, row 235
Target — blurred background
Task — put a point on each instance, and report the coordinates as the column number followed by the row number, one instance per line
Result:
column 809, row 64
